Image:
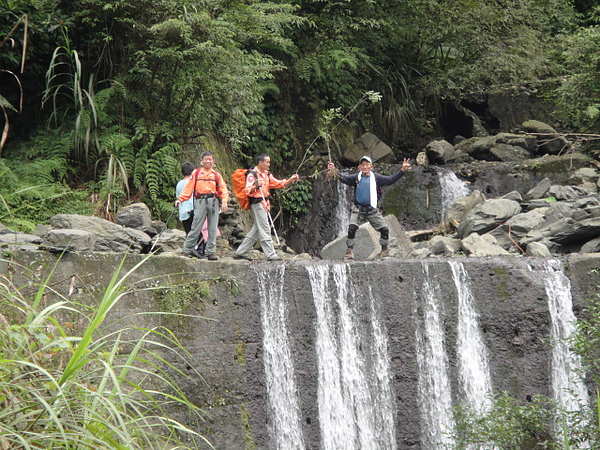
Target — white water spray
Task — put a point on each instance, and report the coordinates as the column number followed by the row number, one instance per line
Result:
column 568, row 388
column 342, row 211
column 284, row 413
column 452, row 189
column 435, row 396
column 474, row 372
column 356, row 406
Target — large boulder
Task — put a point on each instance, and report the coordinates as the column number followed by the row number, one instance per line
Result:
column 517, row 228
column 440, row 152
column 487, row 216
column 70, row 240
column 478, row 246
column 367, row 245
column 136, row 215
column 21, row 241
column 108, row 235
column 369, row 144
column 463, row 206
column 548, row 139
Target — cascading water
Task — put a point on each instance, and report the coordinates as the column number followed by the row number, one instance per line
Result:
column 568, row 388
column 452, row 189
column 356, row 405
column 285, row 427
column 342, row 211
column 435, row 396
column 474, row 373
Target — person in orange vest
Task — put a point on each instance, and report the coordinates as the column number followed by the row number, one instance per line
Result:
column 259, row 183
column 210, row 194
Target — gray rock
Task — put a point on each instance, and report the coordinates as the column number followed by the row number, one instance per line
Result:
column 367, row 245
column 548, row 140
column 592, row 246
column 400, row 245
column 517, row 228
column 478, row 148
column 440, row 152
column 19, row 241
column 70, row 240
column 537, row 250
column 536, row 126
column 136, row 215
column 513, row 195
column 566, row 192
column 109, row 236
column 482, row 245
column 41, row 229
column 488, row 215
column 585, row 175
column 505, row 152
column 444, row 245
column 524, row 141
column 548, row 231
column 169, row 241
column 540, row 191
column 577, row 232
column 463, row 206
column 369, row 144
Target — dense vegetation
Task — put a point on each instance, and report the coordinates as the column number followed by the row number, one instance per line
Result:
column 101, row 100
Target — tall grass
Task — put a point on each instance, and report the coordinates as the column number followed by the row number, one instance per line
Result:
column 68, row 383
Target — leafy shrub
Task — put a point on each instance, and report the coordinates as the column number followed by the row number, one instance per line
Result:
column 65, row 383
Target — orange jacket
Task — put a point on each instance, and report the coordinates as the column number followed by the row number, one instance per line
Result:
column 205, row 182
column 266, row 181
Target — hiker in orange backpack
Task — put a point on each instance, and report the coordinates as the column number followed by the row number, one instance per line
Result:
column 259, row 183
column 207, row 187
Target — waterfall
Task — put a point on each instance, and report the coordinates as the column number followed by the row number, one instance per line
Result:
column 474, row 372
column 342, row 211
column 434, row 390
column 356, row 405
column 284, row 413
column 452, row 189
column 568, row 388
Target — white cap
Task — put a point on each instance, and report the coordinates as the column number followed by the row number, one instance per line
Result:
column 365, row 158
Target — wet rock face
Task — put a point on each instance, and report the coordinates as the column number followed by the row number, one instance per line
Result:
column 225, row 332
column 417, row 198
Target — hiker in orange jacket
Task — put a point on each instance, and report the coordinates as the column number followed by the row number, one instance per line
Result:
column 259, row 183
column 207, row 187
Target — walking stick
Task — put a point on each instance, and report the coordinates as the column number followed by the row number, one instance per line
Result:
column 270, row 219
column 159, row 234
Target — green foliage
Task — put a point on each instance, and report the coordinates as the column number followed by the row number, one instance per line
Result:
column 67, row 383
column 178, row 298
column 295, row 200
column 34, row 188
column 509, row 424
column 587, row 339
column 579, row 94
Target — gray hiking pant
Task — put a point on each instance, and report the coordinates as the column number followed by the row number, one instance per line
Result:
column 373, row 216
column 203, row 208
column 260, row 231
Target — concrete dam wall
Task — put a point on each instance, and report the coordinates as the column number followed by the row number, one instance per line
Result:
column 365, row 354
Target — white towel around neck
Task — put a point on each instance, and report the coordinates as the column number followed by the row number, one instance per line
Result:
column 372, row 188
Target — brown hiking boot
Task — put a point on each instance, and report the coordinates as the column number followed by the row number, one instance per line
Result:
column 384, row 253
column 349, row 254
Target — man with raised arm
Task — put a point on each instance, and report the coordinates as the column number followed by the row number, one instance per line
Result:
column 367, row 195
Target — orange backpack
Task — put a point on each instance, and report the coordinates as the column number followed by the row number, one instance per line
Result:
column 238, row 180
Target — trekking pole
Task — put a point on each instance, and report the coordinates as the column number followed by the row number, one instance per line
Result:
column 159, row 234
column 270, row 219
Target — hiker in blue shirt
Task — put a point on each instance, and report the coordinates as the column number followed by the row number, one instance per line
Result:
column 367, row 194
